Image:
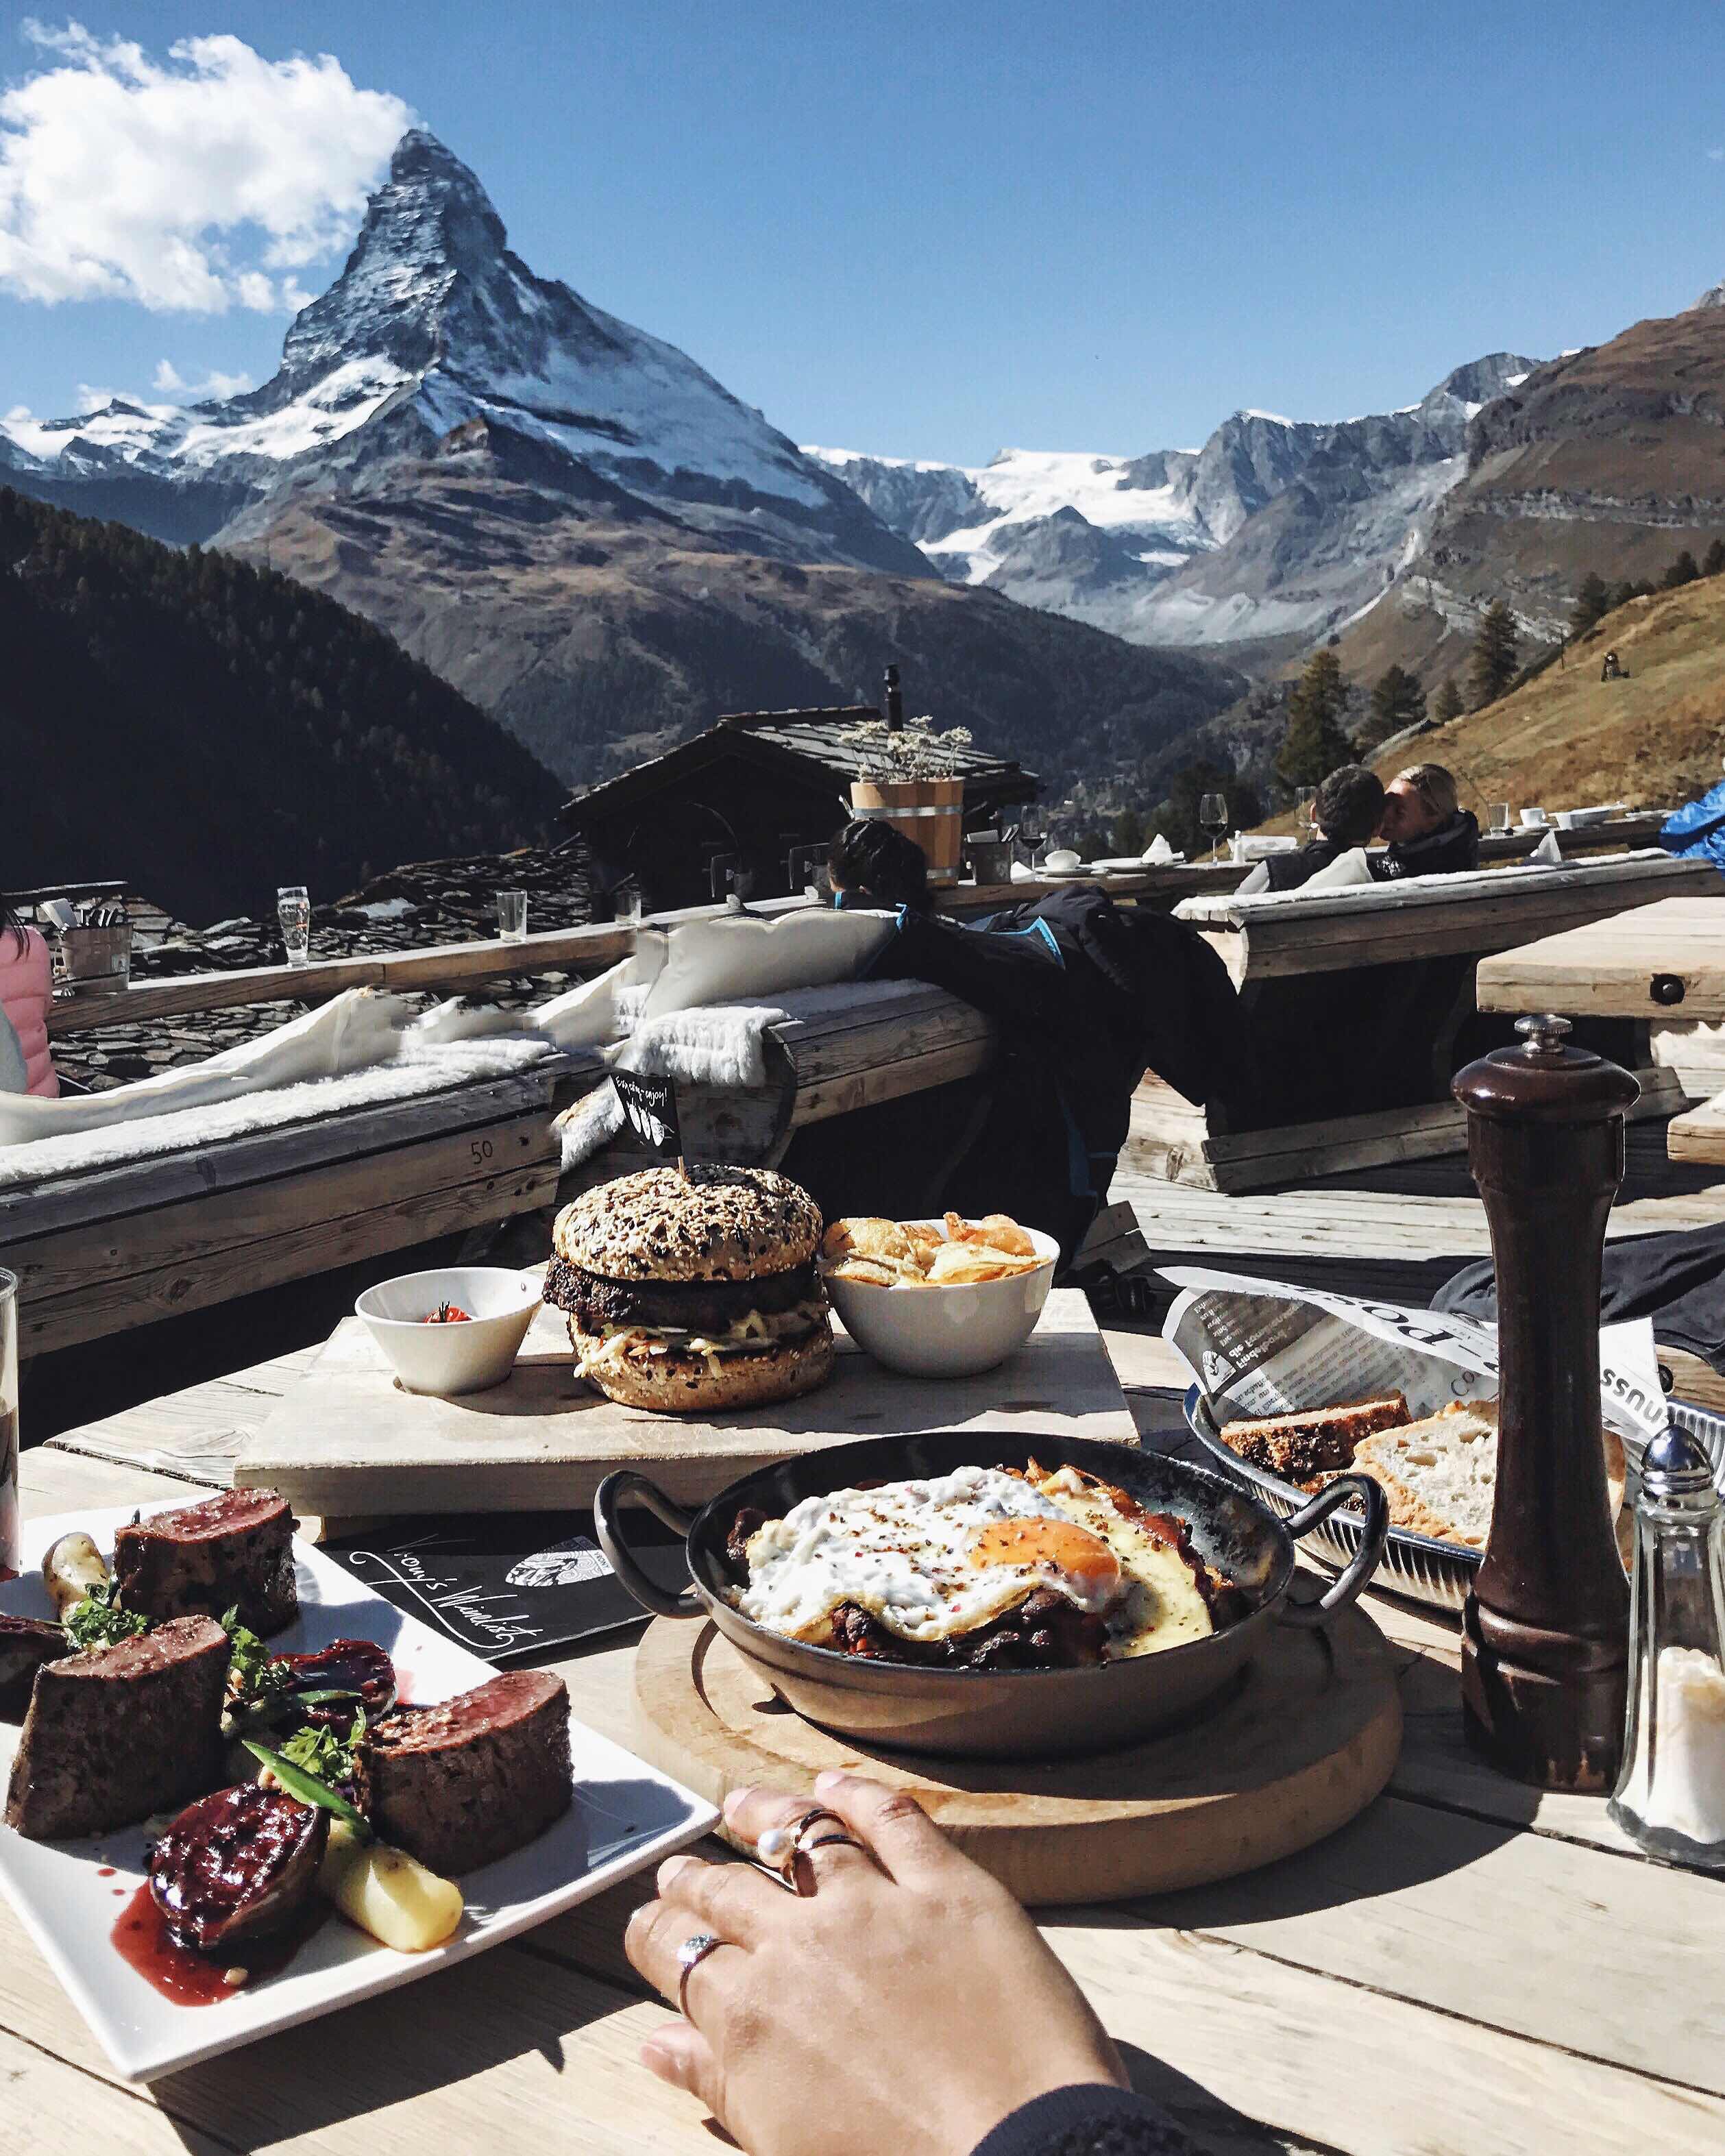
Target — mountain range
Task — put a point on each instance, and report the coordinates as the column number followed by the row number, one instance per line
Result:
column 574, row 523
column 582, row 530
column 1276, row 532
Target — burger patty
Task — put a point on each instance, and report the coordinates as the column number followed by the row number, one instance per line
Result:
column 689, row 1306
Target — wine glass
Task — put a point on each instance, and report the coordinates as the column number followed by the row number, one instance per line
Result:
column 1213, row 814
column 1032, row 837
column 1306, row 808
column 293, row 909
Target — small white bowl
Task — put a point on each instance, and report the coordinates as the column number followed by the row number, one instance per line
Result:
column 451, row 1358
column 1533, row 817
column 947, row 1332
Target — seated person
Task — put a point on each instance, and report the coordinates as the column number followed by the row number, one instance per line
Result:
column 26, row 996
column 1429, row 832
column 1349, row 804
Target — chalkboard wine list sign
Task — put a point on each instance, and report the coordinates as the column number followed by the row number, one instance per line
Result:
column 649, row 1107
column 509, row 1586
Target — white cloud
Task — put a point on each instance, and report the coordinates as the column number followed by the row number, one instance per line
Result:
column 172, row 382
column 1716, row 155
column 181, row 184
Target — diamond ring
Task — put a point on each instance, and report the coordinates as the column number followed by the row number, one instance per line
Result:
column 690, row 1956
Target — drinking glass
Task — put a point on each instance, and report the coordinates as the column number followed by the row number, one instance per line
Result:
column 627, row 901
column 1499, row 815
column 11, row 1516
column 1213, row 814
column 293, row 909
column 1306, row 808
column 512, row 916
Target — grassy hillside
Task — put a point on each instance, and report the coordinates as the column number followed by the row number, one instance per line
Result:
column 1566, row 738
column 206, row 730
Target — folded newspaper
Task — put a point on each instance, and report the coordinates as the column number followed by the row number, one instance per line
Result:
column 1259, row 1347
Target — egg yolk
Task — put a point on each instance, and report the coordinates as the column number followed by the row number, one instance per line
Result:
column 1060, row 1545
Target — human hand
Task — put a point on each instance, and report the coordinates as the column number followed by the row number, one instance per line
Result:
column 907, row 2004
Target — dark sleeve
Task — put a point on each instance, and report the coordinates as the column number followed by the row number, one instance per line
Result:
column 1087, row 2121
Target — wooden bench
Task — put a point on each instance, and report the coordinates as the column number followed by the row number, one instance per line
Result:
column 121, row 1246
column 1357, row 999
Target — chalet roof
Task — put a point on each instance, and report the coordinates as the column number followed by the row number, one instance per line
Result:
column 806, row 744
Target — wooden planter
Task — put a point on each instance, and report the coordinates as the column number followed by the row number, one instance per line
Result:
column 929, row 810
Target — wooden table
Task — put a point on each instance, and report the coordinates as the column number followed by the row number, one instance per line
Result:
column 1470, row 1969
column 1355, row 1072
column 1662, row 966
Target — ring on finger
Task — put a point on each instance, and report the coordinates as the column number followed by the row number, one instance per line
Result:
column 778, row 1847
column 690, row 1954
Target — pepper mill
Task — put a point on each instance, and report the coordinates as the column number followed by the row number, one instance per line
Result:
column 1545, row 1647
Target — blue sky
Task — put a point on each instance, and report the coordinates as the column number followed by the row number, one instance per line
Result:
column 932, row 231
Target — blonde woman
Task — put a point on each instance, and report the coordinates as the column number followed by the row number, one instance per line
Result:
column 1428, row 832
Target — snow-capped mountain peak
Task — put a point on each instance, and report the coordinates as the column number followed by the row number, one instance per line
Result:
column 434, row 323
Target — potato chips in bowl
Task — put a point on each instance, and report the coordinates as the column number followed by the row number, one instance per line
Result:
column 938, row 1298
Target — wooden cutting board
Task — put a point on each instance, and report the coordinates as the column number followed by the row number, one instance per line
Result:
column 1306, row 1741
column 348, row 1441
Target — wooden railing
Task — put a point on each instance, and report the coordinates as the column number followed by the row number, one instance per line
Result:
column 453, row 966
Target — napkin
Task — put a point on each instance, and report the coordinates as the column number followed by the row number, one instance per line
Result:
column 1158, row 853
column 1547, row 853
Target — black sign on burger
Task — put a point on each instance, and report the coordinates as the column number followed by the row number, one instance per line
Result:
column 649, row 1106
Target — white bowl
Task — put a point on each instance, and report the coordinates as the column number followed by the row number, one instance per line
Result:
column 947, row 1332
column 451, row 1358
column 1567, row 820
column 1532, row 818
column 1063, row 861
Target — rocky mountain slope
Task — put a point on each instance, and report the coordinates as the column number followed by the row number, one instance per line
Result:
column 206, row 731
column 1565, row 738
column 573, row 522
column 1611, row 459
column 1274, row 533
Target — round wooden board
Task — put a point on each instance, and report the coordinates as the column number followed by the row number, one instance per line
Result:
column 1306, row 1741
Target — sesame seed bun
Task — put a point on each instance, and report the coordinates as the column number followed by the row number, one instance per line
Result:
column 674, row 1383
column 717, row 1224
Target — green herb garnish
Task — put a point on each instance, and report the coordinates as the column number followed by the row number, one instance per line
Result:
column 322, row 1753
column 308, row 1788
column 253, row 1672
column 99, row 1621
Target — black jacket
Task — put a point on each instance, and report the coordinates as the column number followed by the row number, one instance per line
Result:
column 1088, row 996
column 1289, row 871
column 1087, row 2122
column 1453, row 846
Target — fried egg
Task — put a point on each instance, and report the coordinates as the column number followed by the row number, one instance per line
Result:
column 934, row 1560
column 931, row 1560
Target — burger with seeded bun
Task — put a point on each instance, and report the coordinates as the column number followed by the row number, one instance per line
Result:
column 696, row 1292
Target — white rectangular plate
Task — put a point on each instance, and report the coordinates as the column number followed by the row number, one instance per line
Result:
column 626, row 1815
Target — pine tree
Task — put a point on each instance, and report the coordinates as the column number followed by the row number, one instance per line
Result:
column 1398, row 702
column 1683, row 571
column 1493, row 667
column 1316, row 743
column 1448, row 704
column 1593, row 602
column 1714, row 560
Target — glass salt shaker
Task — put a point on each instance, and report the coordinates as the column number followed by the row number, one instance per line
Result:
column 1671, row 1795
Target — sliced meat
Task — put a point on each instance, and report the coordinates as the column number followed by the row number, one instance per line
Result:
column 237, row 1866
column 696, row 1305
column 1045, row 1631
column 236, row 1550
column 463, row 1783
column 120, row 1733
column 26, row 1643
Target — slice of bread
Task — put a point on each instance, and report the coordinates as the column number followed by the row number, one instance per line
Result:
column 1302, row 1447
column 1440, row 1474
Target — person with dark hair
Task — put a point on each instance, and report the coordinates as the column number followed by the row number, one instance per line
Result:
column 1349, row 804
column 26, row 998
column 872, row 863
column 1429, row 831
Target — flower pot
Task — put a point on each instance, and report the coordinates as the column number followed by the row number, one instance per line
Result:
column 929, row 810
